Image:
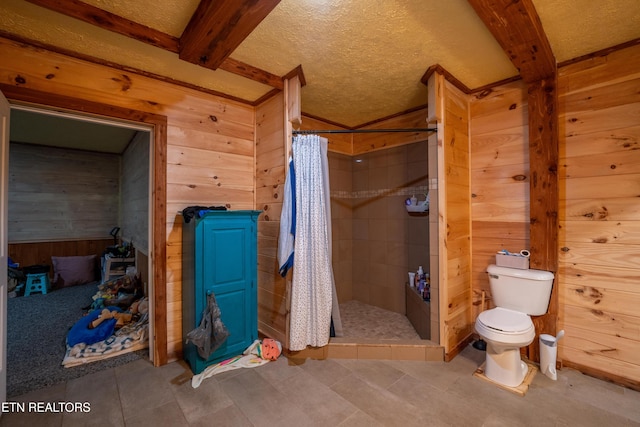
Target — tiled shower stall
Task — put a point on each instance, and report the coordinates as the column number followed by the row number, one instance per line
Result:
column 376, row 242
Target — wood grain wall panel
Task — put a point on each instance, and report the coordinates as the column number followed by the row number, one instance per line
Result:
column 623, row 208
column 616, row 255
column 134, row 194
column 40, row 253
column 500, row 148
column 618, row 117
column 599, row 215
column 509, row 117
column 600, row 297
column 338, row 142
column 600, row 71
column 493, row 100
column 600, row 187
column 364, row 143
column 601, row 232
column 270, row 177
column 61, row 194
column 212, row 142
column 204, row 132
column 602, row 142
column 454, row 230
column 499, row 180
column 601, row 321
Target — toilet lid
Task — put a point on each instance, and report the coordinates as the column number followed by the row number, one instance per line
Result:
column 505, row 320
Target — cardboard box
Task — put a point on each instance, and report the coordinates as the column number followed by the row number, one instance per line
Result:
column 512, row 261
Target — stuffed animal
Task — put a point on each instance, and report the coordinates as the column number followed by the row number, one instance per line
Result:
column 140, row 306
column 121, row 318
column 269, row 349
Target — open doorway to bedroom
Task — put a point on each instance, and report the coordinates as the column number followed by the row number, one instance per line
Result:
column 80, row 216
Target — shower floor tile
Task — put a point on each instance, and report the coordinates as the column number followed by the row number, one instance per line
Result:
column 360, row 320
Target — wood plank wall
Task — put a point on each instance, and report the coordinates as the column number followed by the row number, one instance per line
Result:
column 273, row 308
column 455, row 261
column 61, row 194
column 599, row 240
column 40, row 253
column 499, row 180
column 210, row 141
column 599, row 210
column 134, row 200
column 338, row 142
column 367, row 142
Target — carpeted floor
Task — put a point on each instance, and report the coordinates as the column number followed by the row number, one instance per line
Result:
column 37, row 328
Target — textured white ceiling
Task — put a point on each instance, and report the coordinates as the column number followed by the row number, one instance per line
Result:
column 579, row 27
column 362, row 59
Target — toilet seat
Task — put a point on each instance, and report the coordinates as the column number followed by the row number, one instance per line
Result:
column 505, row 327
column 506, row 321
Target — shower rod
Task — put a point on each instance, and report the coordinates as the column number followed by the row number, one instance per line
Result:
column 300, row 132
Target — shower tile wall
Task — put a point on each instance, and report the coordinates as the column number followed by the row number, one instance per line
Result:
column 370, row 221
column 340, row 179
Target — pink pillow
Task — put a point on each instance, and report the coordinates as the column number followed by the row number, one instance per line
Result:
column 73, row 270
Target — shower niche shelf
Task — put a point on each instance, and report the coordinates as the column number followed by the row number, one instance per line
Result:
column 418, row 312
column 417, row 209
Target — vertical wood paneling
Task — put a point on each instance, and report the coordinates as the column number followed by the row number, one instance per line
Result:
column 543, row 199
column 457, row 261
column 452, row 225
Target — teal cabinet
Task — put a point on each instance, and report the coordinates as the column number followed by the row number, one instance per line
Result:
column 220, row 256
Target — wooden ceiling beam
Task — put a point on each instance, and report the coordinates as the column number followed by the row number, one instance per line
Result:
column 217, row 28
column 516, row 26
column 117, row 24
column 111, row 22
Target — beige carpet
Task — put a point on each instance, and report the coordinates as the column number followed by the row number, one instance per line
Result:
column 361, row 320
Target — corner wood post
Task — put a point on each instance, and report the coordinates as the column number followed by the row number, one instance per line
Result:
column 543, row 185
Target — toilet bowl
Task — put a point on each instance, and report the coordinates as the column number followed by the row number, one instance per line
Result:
column 508, row 327
column 505, row 331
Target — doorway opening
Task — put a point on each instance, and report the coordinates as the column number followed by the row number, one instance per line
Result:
column 154, row 127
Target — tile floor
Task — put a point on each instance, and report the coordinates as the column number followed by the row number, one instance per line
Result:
column 331, row 392
column 360, row 320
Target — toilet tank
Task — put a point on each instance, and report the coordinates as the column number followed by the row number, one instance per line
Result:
column 526, row 291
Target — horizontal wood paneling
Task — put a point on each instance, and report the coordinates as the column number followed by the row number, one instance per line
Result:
column 205, row 133
column 134, row 200
column 61, row 194
column 40, row 253
column 338, row 142
column 499, row 180
column 599, row 215
column 366, row 142
column 270, row 174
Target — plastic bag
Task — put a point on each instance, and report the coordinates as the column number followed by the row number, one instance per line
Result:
column 211, row 333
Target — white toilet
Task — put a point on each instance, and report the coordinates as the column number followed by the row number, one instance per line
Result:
column 516, row 294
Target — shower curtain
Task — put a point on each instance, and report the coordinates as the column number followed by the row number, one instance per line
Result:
column 305, row 242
